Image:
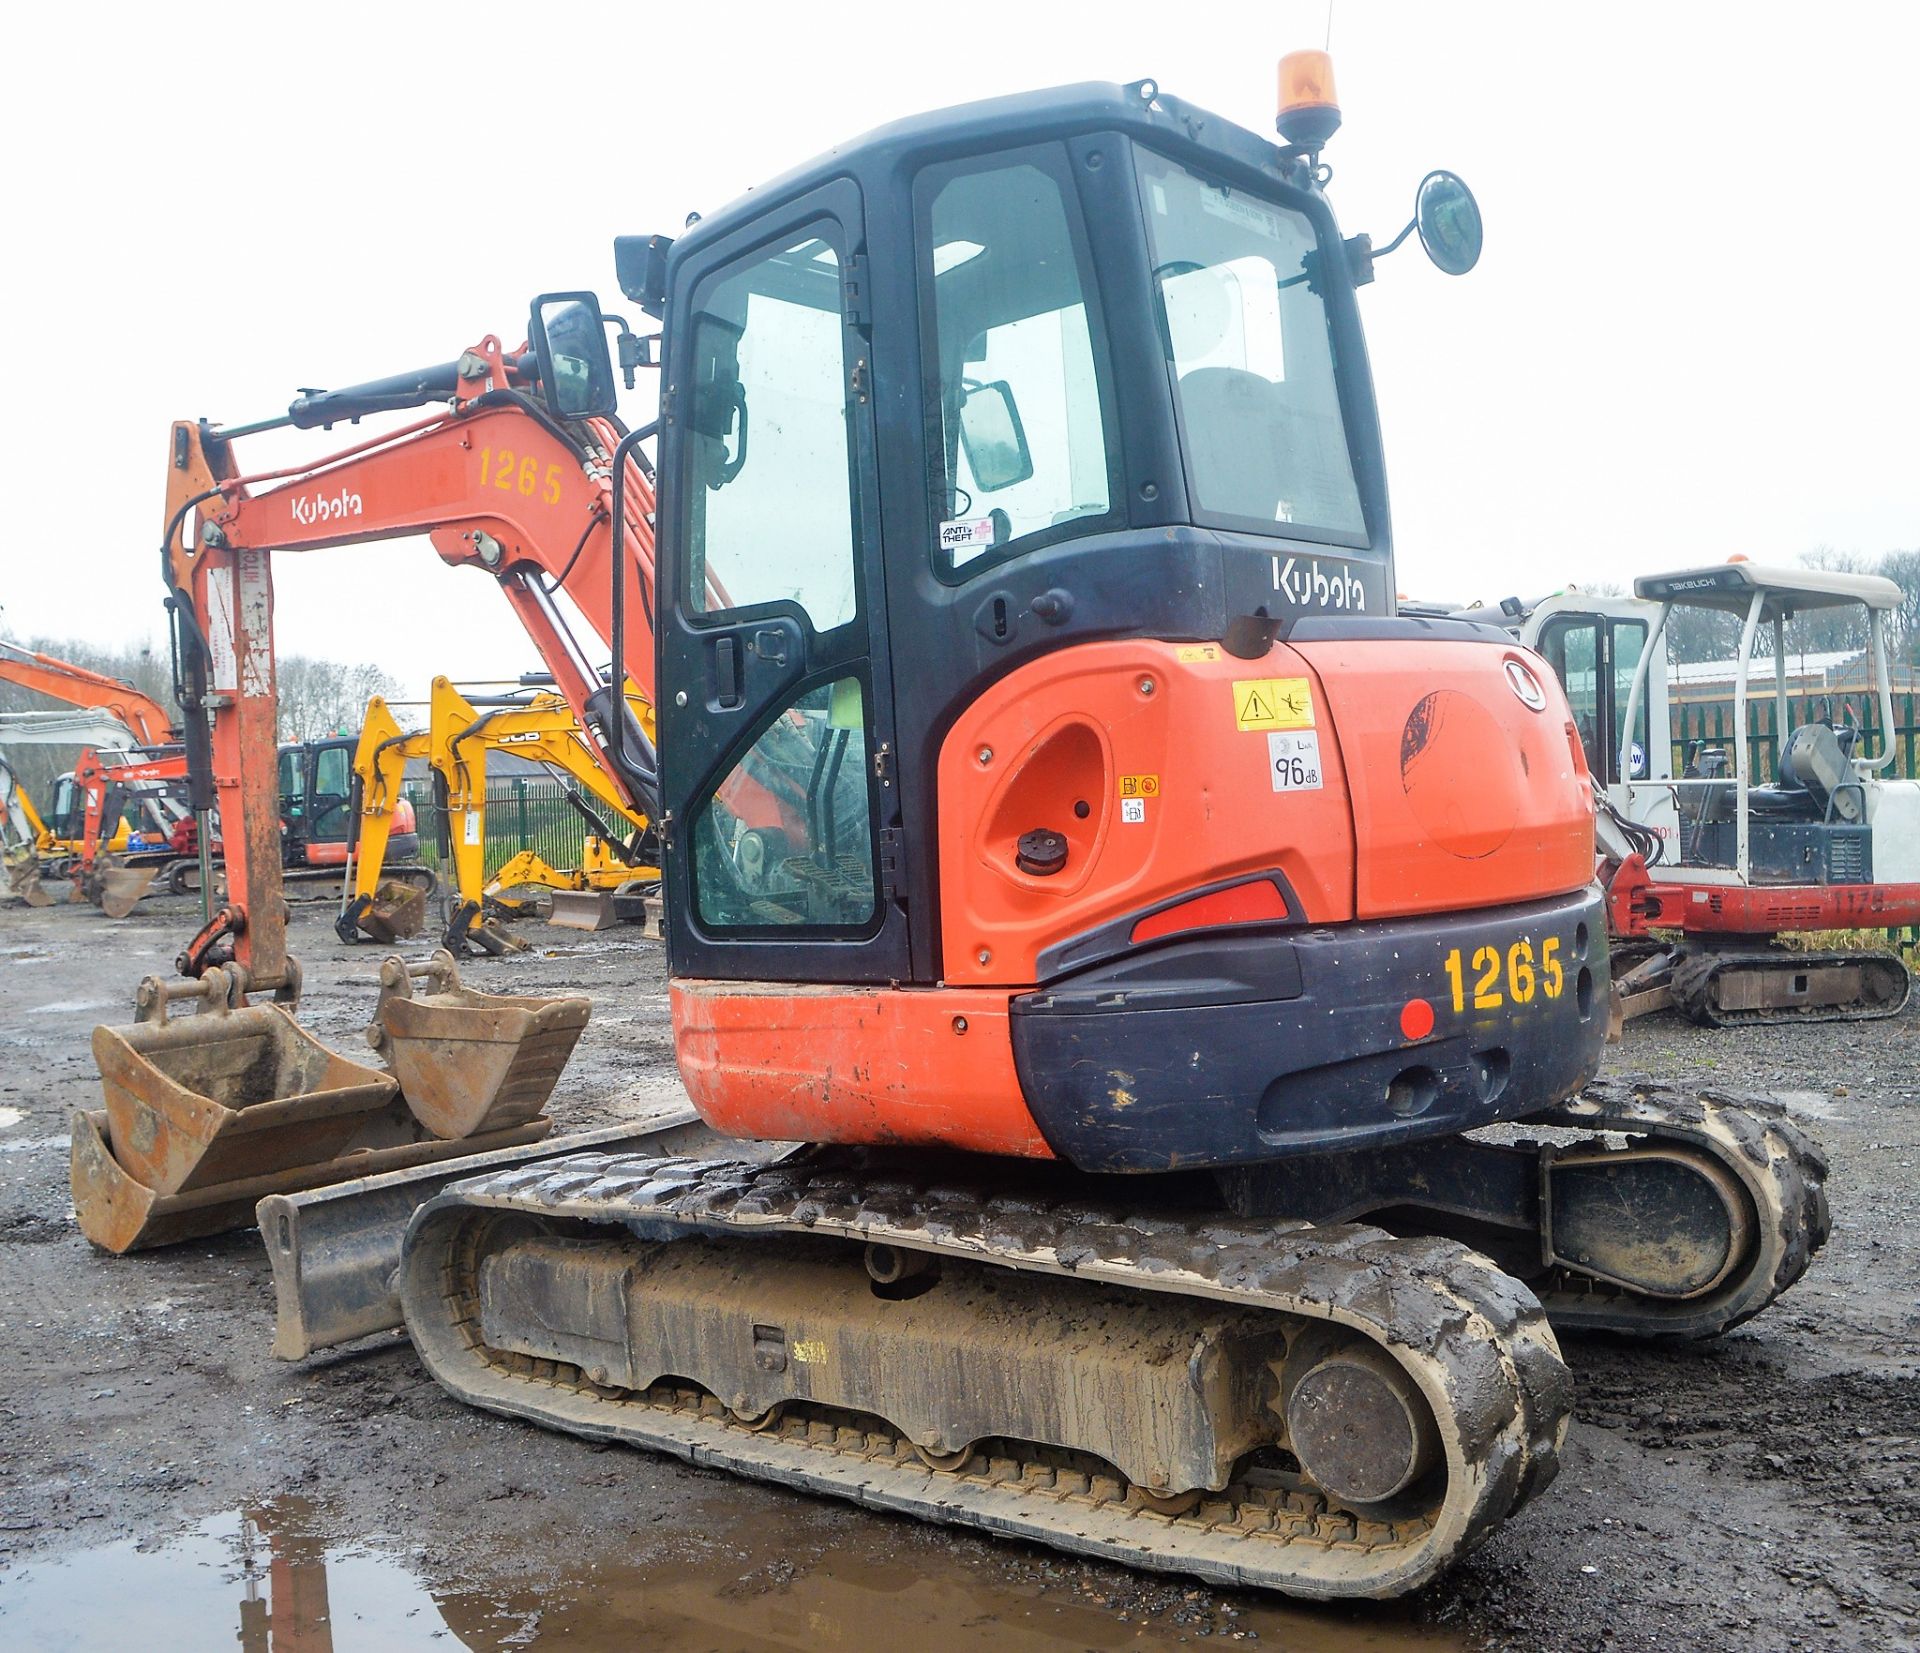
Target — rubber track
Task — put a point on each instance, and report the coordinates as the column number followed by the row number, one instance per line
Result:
column 1780, row 1166
column 1694, row 974
column 1473, row 1338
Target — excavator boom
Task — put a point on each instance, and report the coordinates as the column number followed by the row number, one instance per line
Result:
column 77, row 686
column 497, row 484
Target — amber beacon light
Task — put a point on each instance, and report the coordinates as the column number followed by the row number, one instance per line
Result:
column 1309, row 111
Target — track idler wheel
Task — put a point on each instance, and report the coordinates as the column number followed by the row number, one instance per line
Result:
column 1665, row 1222
column 1360, row 1427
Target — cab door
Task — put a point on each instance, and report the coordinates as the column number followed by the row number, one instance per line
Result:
column 1595, row 655
column 782, row 841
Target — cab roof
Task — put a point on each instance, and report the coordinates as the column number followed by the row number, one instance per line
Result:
column 1139, row 109
column 1730, row 586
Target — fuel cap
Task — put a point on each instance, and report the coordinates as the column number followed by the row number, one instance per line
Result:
column 1042, row 852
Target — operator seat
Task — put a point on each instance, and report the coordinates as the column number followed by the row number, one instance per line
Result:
column 1815, row 781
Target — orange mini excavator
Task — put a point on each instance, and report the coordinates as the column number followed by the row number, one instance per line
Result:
column 1062, row 833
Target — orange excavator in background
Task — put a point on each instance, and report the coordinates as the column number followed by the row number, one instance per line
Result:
column 61, row 680
column 1062, row 834
column 113, row 881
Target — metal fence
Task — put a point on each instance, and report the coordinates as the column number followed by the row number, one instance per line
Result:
column 521, row 813
column 1712, row 723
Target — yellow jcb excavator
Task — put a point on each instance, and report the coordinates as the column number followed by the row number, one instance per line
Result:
column 616, row 870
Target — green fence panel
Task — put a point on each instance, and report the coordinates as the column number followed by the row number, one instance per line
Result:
column 522, row 812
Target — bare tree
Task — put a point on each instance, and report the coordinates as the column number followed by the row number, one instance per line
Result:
column 319, row 698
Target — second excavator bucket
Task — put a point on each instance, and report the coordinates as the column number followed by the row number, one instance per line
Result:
column 470, row 1062
column 116, row 890
column 208, row 1115
column 229, row 1094
column 23, row 879
column 396, row 912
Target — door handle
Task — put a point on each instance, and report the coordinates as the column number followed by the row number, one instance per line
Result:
column 727, row 695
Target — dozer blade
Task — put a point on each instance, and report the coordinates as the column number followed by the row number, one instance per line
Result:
column 336, row 1250
column 583, row 910
column 206, row 1115
column 470, row 1062
column 116, row 891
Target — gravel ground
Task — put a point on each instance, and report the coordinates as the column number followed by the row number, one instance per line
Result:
column 1757, row 1493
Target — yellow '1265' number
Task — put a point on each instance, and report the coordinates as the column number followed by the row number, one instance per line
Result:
column 1483, row 974
column 499, row 470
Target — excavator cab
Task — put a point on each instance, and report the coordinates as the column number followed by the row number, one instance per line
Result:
column 1023, row 517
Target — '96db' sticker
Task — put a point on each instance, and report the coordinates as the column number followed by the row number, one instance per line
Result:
column 1293, row 761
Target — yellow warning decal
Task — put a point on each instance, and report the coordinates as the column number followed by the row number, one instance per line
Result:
column 1139, row 786
column 1273, row 703
column 1190, row 653
column 810, row 1351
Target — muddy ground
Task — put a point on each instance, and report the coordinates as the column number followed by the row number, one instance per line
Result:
column 159, row 1472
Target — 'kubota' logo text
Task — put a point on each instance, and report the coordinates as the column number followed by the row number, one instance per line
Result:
column 326, row 508
column 1308, row 585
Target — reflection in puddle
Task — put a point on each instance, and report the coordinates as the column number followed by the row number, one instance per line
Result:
column 262, row 1581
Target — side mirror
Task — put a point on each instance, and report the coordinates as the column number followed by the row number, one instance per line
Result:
column 994, row 439
column 570, row 346
column 1448, row 219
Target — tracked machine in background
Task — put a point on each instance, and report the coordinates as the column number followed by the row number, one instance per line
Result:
column 1062, row 833
column 20, row 830
column 1709, row 871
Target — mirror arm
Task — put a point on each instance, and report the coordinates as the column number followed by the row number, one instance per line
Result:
column 1381, row 252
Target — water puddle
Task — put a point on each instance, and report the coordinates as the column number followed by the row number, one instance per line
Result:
column 1808, row 1104
column 73, row 1006
column 39, row 1144
column 261, row 1580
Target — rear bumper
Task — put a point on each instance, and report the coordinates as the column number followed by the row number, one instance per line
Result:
column 1235, row 1047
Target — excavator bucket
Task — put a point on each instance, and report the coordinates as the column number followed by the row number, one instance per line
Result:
column 23, row 880
column 116, row 891
column 397, row 912
column 470, row 1062
column 207, row 1115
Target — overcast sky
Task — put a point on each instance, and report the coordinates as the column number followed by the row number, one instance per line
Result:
column 1695, row 330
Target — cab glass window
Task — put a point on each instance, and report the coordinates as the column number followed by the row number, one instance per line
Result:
column 1572, row 648
column 292, row 787
column 769, row 478
column 785, row 842
column 1021, row 440
column 1244, row 329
